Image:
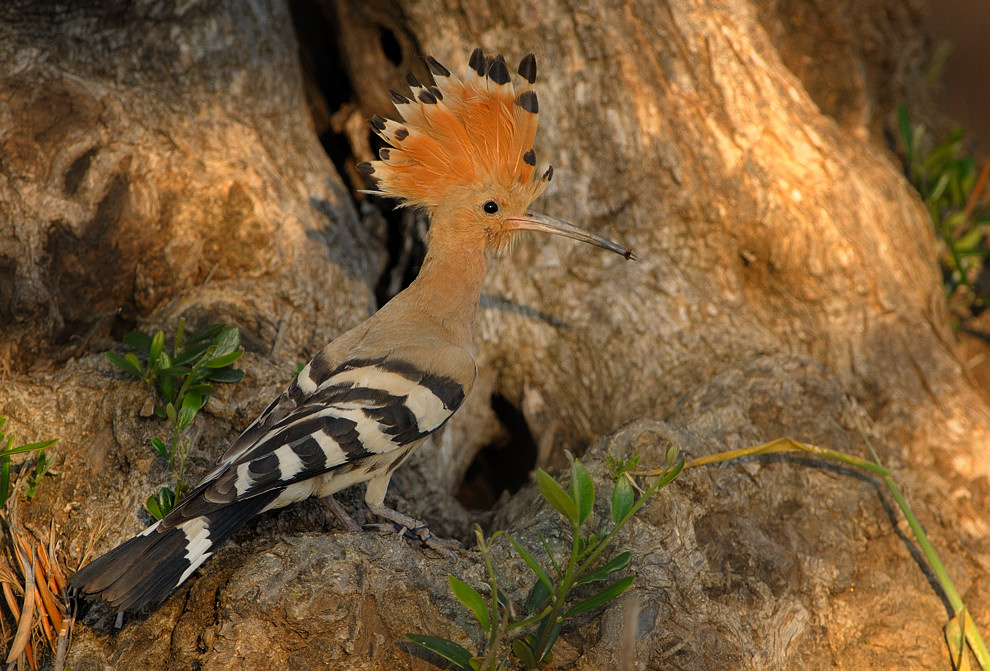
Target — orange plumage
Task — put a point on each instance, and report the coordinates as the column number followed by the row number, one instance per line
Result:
column 458, row 134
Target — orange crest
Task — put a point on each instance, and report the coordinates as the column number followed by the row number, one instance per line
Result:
column 456, row 134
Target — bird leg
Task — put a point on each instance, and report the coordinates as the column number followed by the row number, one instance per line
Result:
column 414, row 529
column 334, row 508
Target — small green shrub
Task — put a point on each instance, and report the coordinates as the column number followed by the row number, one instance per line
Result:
column 529, row 633
column 947, row 180
column 41, row 465
column 182, row 379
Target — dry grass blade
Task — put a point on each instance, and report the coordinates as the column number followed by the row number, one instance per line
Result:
column 47, row 610
column 56, row 570
column 23, row 635
column 27, row 569
column 52, row 608
column 8, row 595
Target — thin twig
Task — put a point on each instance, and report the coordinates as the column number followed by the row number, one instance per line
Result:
column 63, row 645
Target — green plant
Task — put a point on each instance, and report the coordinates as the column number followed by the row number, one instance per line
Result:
column 182, row 379
column 6, row 452
column 531, row 634
column 947, row 181
column 41, row 466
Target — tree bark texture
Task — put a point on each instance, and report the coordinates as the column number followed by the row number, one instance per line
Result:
column 166, row 163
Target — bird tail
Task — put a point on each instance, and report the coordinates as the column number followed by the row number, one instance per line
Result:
column 145, row 569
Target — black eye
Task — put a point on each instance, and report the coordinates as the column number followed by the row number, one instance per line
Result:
column 491, row 207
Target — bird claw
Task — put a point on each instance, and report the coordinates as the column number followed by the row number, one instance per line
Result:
column 413, row 529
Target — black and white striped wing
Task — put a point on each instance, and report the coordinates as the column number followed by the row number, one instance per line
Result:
column 361, row 412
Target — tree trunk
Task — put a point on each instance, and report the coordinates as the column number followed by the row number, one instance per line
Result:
column 160, row 164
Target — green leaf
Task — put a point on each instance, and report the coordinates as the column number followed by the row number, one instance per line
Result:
column 158, row 445
column 546, row 548
column 582, row 491
column 623, row 497
column 206, row 334
column 188, row 356
column 166, row 499
column 5, row 471
column 186, row 416
column 557, row 497
column 470, row 598
column 166, row 387
column 227, row 374
column 503, row 600
column 537, row 597
column 606, row 595
column 129, row 363
column 139, row 340
column 972, row 240
column 41, row 467
column 225, row 360
column 523, row 653
column 617, row 563
column 533, row 564
column 157, row 346
column 551, row 639
column 180, row 334
column 202, row 390
column 151, row 505
column 163, row 362
column 449, row 650
column 132, row 358
column 193, row 401
column 223, row 351
column 159, row 505
column 30, row 447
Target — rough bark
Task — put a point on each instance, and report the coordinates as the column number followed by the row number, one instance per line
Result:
column 161, row 163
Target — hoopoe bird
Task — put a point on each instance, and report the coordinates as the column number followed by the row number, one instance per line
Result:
column 463, row 152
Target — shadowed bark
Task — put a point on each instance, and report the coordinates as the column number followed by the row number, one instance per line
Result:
column 158, row 164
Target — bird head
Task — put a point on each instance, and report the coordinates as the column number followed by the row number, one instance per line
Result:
column 464, row 152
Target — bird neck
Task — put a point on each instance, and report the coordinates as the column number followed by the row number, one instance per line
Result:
column 447, row 289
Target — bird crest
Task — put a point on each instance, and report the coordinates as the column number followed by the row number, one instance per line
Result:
column 455, row 134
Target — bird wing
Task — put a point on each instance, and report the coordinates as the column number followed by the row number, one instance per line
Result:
column 361, row 410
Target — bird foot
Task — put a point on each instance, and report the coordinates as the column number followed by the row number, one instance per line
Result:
column 413, row 529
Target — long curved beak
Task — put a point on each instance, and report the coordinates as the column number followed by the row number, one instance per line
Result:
column 541, row 222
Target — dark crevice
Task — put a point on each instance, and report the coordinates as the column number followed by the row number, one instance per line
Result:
column 390, row 46
column 502, row 466
column 331, row 96
column 326, row 84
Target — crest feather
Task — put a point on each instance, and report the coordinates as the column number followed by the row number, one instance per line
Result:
column 457, row 133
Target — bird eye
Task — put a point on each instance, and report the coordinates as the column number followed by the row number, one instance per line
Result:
column 491, row 207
